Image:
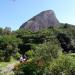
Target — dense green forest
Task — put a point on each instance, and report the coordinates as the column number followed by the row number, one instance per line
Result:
column 49, row 51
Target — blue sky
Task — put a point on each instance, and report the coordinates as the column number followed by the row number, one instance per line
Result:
column 13, row 13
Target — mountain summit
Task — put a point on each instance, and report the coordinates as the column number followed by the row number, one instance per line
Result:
column 44, row 19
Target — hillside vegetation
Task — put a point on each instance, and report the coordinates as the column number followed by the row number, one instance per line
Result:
column 50, row 51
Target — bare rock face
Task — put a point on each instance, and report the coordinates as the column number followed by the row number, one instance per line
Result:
column 44, row 19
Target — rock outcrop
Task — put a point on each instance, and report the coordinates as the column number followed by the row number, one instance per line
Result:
column 44, row 19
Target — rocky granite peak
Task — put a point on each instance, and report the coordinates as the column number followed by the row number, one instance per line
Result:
column 44, row 19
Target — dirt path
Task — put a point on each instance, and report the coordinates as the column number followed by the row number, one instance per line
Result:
column 8, row 69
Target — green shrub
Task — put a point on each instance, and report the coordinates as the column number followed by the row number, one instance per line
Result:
column 27, row 69
column 63, row 65
column 47, row 51
column 30, row 53
column 17, row 55
column 1, row 56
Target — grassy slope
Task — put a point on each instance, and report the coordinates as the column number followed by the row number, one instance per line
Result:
column 4, row 67
column 4, row 64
